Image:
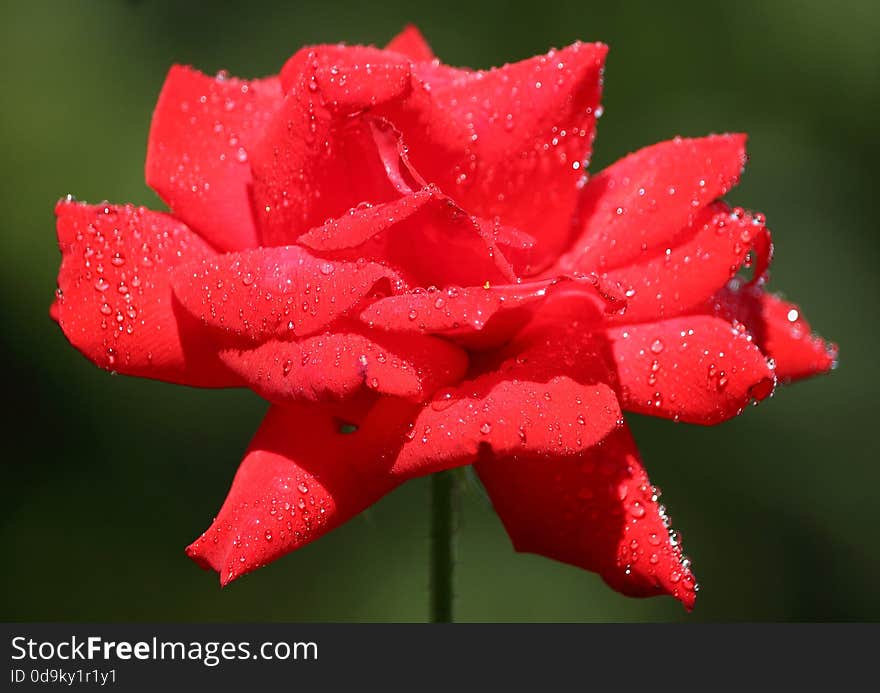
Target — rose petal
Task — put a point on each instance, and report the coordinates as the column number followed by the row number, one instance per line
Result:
column 558, row 417
column 318, row 157
column 197, row 154
column 492, row 313
column 363, row 222
column 343, row 363
column 672, row 282
column 425, row 236
column 114, row 299
column 301, row 477
column 596, row 510
column 347, row 78
column 645, row 200
column 281, row 292
column 696, row 369
column 412, row 44
column 508, row 142
column 779, row 329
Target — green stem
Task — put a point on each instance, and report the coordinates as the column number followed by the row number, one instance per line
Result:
column 443, row 487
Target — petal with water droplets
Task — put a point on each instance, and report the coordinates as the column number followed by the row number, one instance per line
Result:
column 671, row 282
column 509, row 416
column 301, row 477
column 197, row 154
column 645, row 200
column 696, row 369
column 510, row 142
column 343, row 363
column 115, row 302
column 318, row 157
column 282, row 292
column 361, row 223
column 476, row 315
column 779, row 329
column 424, row 236
column 596, row 510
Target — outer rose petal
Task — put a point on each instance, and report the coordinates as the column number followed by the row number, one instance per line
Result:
column 318, row 157
column 646, row 199
column 300, row 478
column 558, row 418
column 412, row 44
column 425, row 236
column 597, row 511
column 508, row 142
column 673, row 282
column 197, row 154
column 114, row 294
column 342, row 363
column 276, row 292
column 696, row 369
column 779, row 328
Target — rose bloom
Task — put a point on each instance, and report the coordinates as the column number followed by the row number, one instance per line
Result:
column 409, row 261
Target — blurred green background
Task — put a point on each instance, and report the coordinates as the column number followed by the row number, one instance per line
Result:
column 105, row 480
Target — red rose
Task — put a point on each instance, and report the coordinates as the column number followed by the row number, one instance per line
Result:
column 409, row 261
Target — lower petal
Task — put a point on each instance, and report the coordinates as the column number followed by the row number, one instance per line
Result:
column 597, row 511
column 301, row 477
column 696, row 369
column 508, row 415
column 344, row 363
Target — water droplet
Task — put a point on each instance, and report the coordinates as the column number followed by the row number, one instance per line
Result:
column 443, row 400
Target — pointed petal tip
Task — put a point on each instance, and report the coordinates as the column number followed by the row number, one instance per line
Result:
column 779, row 328
column 64, row 202
column 196, row 552
column 411, row 42
column 216, row 558
column 599, row 47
